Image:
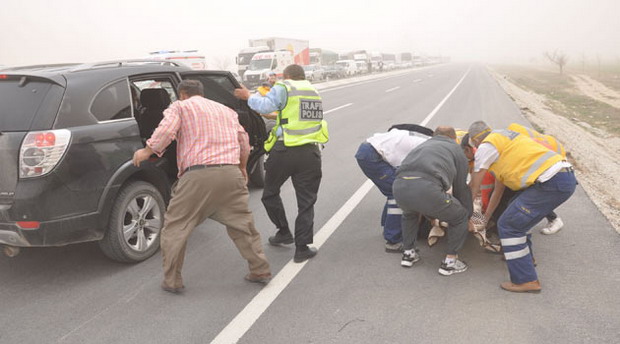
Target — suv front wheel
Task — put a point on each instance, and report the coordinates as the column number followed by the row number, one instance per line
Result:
column 136, row 220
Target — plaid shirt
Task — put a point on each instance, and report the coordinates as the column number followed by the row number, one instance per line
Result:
column 207, row 133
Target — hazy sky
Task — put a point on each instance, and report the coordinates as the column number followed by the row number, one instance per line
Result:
column 43, row 31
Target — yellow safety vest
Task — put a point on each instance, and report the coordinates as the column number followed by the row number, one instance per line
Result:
column 521, row 160
column 459, row 135
column 545, row 140
column 302, row 117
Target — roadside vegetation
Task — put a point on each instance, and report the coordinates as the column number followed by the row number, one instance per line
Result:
column 566, row 99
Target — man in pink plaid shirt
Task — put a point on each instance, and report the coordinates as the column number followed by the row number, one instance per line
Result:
column 212, row 153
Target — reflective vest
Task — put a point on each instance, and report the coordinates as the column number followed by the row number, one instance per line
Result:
column 521, row 160
column 545, row 140
column 301, row 119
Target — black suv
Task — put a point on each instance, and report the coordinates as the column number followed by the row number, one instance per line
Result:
column 67, row 137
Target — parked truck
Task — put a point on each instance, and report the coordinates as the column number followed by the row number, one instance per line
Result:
column 322, row 57
column 273, row 55
column 298, row 47
column 362, row 59
column 264, row 63
column 245, row 56
column 406, row 60
column 376, row 60
column 389, row 61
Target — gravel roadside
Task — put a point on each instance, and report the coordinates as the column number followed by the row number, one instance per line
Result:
column 594, row 155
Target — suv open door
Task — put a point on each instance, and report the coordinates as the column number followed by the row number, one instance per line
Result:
column 219, row 86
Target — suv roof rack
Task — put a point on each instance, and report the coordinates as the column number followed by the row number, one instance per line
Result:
column 124, row 63
column 38, row 67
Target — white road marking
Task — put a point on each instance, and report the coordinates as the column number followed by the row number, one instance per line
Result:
column 430, row 115
column 357, row 83
column 417, row 80
column 248, row 316
column 392, row 89
column 337, row 108
column 259, row 304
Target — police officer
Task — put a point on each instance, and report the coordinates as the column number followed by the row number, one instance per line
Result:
column 543, row 176
column 293, row 147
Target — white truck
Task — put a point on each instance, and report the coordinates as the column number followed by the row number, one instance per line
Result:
column 263, row 63
column 279, row 50
column 245, row 56
column 190, row 58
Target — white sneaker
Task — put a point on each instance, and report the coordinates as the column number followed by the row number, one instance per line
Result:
column 448, row 269
column 552, row 226
column 409, row 257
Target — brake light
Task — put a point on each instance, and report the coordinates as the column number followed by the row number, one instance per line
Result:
column 41, row 151
column 28, row 224
column 4, row 76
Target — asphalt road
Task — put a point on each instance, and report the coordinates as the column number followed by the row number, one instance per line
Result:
column 352, row 292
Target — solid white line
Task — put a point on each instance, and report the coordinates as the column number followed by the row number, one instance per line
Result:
column 430, row 115
column 337, row 108
column 248, row 316
column 259, row 304
column 417, row 80
column 392, row 89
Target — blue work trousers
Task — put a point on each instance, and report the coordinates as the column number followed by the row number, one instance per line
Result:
column 382, row 174
column 524, row 212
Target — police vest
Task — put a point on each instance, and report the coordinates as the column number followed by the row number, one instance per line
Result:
column 521, row 160
column 301, row 119
column 545, row 140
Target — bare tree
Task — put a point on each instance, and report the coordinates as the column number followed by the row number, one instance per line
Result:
column 558, row 58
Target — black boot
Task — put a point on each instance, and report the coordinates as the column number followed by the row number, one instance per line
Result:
column 303, row 253
column 282, row 237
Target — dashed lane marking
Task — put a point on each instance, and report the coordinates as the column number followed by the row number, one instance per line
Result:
column 392, row 89
column 337, row 108
column 430, row 115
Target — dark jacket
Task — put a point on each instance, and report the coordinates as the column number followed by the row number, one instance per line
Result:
column 440, row 160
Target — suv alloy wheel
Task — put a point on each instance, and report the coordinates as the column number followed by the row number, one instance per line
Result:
column 136, row 220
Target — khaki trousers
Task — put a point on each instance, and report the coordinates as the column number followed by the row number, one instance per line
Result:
column 219, row 193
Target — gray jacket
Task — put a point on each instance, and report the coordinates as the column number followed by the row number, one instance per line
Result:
column 441, row 160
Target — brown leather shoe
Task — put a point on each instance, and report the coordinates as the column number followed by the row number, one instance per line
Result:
column 171, row 289
column 528, row 287
column 256, row 278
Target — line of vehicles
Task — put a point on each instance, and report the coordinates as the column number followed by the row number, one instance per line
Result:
column 273, row 54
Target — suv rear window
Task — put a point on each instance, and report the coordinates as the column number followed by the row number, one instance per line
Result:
column 113, row 102
column 19, row 105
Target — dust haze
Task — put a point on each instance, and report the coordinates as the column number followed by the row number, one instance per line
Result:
column 39, row 31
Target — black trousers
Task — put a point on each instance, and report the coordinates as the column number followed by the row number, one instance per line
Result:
column 303, row 165
column 419, row 196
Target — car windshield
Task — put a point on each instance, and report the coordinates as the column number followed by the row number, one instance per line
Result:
column 260, row 64
column 20, row 100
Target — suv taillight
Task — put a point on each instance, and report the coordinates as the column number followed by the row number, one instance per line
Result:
column 41, row 151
